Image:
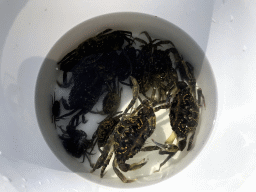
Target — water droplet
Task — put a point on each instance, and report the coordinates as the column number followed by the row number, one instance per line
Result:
column 0, row 152
column 213, row 20
column 23, row 179
column 40, row 183
column 244, row 48
column 231, row 18
column 57, row 68
column 23, row 186
column 6, row 179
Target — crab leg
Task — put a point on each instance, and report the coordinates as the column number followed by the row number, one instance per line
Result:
column 106, row 162
column 135, row 93
column 105, row 154
column 127, row 167
column 171, row 138
column 167, row 159
column 150, row 148
column 169, row 149
column 120, row 175
column 191, row 139
column 164, row 106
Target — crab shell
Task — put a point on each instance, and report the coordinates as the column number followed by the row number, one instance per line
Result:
column 184, row 113
column 133, row 132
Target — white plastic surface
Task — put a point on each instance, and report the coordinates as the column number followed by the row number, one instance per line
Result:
column 225, row 29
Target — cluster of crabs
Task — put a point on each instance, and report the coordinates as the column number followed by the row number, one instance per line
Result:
column 159, row 79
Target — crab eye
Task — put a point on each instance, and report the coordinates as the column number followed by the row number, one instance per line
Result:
column 145, row 137
column 182, row 144
column 136, row 149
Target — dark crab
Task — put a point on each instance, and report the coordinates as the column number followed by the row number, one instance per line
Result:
column 86, row 65
column 155, row 65
column 82, row 99
column 163, row 75
column 127, row 58
column 111, row 101
column 104, row 42
column 153, row 44
column 184, row 116
column 76, row 143
column 128, row 138
column 107, row 126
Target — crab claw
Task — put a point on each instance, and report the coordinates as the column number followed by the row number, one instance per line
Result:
column 182, row 144
column 167, row 147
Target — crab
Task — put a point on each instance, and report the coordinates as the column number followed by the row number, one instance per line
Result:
column 156, row 66
column 129, row 137
column 151, row 46
column 111, row 101
column 104, row 42
column 184, row 117
column 76, row 142
column 81, row 100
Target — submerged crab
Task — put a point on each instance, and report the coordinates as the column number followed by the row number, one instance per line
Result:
column 155, row 66
column 81, row 100
column 75, row 142
column 104, row 42
column 128, row 138
column 111, row 101
column 184, row 116
column 153, row 44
